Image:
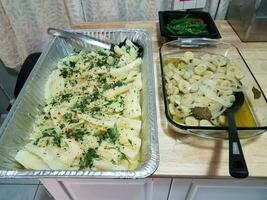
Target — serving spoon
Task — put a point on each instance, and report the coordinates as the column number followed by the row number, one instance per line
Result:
column 86, row 39
column 237, row 164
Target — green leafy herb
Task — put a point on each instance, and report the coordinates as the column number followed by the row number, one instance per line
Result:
column 61, row 126
column 54, row 101
column 95, row 110
column 77, row 50
column 56, row 140
column 66, row 97
column 94, row 96
column 123, row 156
column 87, row 160
column 113, row 133
column 70, row 118
column 113, row 85
column 67, row 116
column 187, row 26
column 77, row 134
column 68, row 71
column 72, row 64
column 100, row 136
column 50, row 132
column 101, row 79
column 118, row 84
column 64, row 72
column 80, row 105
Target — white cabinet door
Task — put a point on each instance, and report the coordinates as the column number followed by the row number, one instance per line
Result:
column 228, row 190
column 112, row 189
column 179, row 189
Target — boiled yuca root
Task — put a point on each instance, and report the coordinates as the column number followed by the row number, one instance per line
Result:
column 92, row 116
column 205, row 82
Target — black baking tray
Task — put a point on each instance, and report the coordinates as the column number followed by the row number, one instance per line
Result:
column 165, row 17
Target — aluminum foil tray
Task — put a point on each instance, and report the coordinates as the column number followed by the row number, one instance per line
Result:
column 16, row 128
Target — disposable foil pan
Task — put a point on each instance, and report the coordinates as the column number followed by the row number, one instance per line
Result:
column 16, row 128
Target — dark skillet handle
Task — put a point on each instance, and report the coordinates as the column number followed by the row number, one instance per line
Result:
column 237, row 164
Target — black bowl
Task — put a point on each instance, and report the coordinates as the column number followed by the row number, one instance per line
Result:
column 165, row 17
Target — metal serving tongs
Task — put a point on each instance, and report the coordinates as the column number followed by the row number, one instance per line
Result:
column 86, row 39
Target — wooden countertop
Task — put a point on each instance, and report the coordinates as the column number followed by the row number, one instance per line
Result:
column 190, row 156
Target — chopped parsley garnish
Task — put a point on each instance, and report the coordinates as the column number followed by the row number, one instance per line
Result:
column 100, row 136
column 109, row 102
column 118, row 84
column 113, row 85
column 66, row 97
column 50, row 132
column 123, row 156
column 80, row 105
column 76, row 50
column 77, row 134
column 69, row 63
column 112, row 134
column 73, row 82
column 64, row 72
column 61, row 126
column 57, row 140
column 102, row 53
column 67, row 116
column 94, row 96
column 115, row 101
column 70, row 118
column 60, row 99
column 95, row 110
column 88, row 159
column 101, row 79
column 54, row 101
column 72, row 64
column 67, row 72
column 101, row 61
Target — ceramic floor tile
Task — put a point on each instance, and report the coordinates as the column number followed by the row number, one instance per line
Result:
column 17, row 192
column 42, row 194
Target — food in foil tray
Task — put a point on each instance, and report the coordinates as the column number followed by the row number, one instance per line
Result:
column 92, row 116
column 200, row 87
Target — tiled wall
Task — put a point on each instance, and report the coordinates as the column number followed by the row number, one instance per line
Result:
column 188, row 4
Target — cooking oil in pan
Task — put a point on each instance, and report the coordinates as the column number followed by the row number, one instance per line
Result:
column 244, row 116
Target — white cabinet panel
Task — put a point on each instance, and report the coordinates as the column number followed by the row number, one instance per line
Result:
column 55, row 189
column 228, row 189
column 110, row 189
column 179, row 189
column 161, row 188
column 156, row 189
